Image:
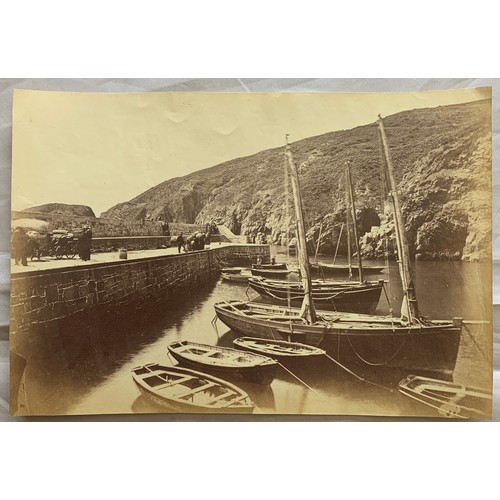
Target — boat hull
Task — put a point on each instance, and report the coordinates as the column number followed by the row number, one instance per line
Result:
column 300, row 357
column 185, row 408
column 269, row 266
column 173, row 403
column 447, row 398
column 271, row 273
column 430, row 350
column 356, row 339
column 266, row 329
column 262, row 375
column 350, row 298
column 341, row 270
column 235, row 278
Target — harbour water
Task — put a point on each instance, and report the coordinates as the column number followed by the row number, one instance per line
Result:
column 85, row 369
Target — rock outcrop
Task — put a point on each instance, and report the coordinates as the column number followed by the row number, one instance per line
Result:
column 62, row 208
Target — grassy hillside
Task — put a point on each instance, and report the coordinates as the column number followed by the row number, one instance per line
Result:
column 442, row 158
column 62, row 208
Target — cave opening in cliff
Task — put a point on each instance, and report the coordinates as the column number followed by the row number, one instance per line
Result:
column 367, row 218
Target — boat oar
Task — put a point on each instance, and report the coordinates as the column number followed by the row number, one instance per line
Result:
column 300, row 380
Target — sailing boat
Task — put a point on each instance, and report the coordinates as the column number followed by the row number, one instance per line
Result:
column 409, row 342
column 361, row 297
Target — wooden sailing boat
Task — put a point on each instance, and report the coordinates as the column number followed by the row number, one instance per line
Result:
column 277, row 322
column 351, row 296
column 408, row 342
column 327, row 295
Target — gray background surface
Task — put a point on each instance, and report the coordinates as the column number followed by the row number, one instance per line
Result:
column 220, row 85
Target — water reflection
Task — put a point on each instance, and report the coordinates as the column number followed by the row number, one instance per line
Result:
column 83, row 368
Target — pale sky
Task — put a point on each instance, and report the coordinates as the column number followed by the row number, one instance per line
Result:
column 99, row 149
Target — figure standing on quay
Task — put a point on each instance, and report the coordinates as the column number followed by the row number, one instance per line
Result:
column 85, row 243
column 181, row 243
column 20, row 246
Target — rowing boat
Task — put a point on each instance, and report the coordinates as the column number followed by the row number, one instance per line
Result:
column 233, row 270
column 271, row 273
column 235, row 277
column 449, row 399
column 278, row 349
column 188, row 391
column 224, row 361
column 269, row 266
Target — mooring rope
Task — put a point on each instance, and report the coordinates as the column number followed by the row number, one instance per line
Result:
column 356, row 376
column 300, row 297
column 300, row 380
column 475, row 342
column 377, row 364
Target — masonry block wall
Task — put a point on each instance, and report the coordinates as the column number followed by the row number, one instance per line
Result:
column 44, row 297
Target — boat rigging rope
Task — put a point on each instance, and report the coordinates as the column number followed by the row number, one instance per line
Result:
column 391, row 310
column 338, row 243
column 300, row 380
column 356, row 376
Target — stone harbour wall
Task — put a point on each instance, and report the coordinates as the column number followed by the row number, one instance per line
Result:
column 40, row 298
column 112, row 244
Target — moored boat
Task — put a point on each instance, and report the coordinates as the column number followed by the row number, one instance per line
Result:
column 269, row 322
column 234, row 270
column 236, row 277
column 189, row 391
column 411, row 342
column 278, row 349
column 327, row 269
column 328, row 295
column 224, row 361
column 269, row 266
column 447, row 398
column 271, row 273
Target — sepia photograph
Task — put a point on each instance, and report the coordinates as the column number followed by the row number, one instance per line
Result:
column 263, row 253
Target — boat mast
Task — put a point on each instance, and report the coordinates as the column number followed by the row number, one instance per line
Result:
column 354, row 219
column 318, row 242
column 348, row 233
column 409, row 307
column 307, row 311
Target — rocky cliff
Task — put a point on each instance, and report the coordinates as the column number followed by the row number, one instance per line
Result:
column 442, row 158
column 62, row 208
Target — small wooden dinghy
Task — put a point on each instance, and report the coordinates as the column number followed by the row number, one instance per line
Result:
column 236, row 277
column 278, row 349
column 234, row 270
column 449, row 399
column 224, row 361
column 271, row 273
column 269, row 266
column 189, row 391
